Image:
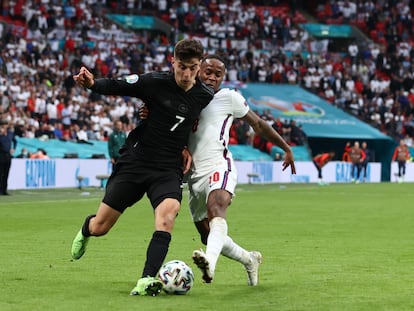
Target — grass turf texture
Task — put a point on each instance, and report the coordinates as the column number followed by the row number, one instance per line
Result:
column 340, row 247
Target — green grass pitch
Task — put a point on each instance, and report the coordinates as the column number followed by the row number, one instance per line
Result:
column 338, row 247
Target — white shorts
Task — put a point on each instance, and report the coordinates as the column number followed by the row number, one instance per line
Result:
column 201, row 186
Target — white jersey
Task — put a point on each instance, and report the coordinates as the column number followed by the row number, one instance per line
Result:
column 208, row 144
column 213, row 166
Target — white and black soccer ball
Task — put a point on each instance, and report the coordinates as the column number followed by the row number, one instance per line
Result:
column 177, row 277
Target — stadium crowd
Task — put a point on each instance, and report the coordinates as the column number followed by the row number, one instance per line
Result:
column 43, row 43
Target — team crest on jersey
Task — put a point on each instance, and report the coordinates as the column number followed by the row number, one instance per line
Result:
column 182, row 108
column 132, row 78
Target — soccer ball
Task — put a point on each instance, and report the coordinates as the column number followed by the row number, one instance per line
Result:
column 177, row 276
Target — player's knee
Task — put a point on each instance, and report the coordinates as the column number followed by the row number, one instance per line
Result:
column 174, row 211
column 218, row 207
column 171, row 214
column 165, row 222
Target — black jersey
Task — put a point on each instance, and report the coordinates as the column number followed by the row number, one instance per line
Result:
column 159, row 140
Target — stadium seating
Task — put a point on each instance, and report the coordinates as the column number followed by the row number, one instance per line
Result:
column 248, row 153
column 58, row 149
column 301, row 153
column 61, row 149
column 19, row 30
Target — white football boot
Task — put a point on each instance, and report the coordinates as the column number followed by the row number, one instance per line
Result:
column 201, row 261
column 252, row 268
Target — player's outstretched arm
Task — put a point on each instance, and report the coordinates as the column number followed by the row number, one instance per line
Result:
column 266, row 131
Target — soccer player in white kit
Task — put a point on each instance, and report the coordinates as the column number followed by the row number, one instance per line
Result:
column 213, row 179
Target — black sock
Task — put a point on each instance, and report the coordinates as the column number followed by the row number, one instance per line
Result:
column 85, row 226
column 156, row 252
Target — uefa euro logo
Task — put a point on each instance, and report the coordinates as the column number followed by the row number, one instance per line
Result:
column 285, row 108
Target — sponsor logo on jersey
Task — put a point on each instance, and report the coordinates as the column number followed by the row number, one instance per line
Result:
column 132, row 78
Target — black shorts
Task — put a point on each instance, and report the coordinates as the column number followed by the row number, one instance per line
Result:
column 130, row 181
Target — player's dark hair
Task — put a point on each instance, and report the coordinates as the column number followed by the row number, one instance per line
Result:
column 187, row 48
column 214, row 56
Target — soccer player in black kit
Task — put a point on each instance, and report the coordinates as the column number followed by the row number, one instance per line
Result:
column 152, row 160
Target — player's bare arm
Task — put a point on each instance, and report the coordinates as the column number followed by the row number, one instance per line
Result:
column 187, row 160
column 265, row 130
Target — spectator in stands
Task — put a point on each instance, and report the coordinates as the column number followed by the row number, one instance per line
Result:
column 297, row 135
column 66, row 114
column 81, row 134
column 320, row 160
column 278, row 125
column 353, row 51
column 401, row 155
column 115, row 141
column 286, row 129
column 243, row 133
column 44, row 132
column 58, row 131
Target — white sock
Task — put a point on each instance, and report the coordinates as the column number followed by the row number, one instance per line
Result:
column 235, row 251
column 215, row 241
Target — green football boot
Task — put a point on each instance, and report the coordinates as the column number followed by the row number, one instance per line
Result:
column 79, row 245
column 148, row 286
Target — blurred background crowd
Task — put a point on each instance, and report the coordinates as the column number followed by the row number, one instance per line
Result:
column 43, row 43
